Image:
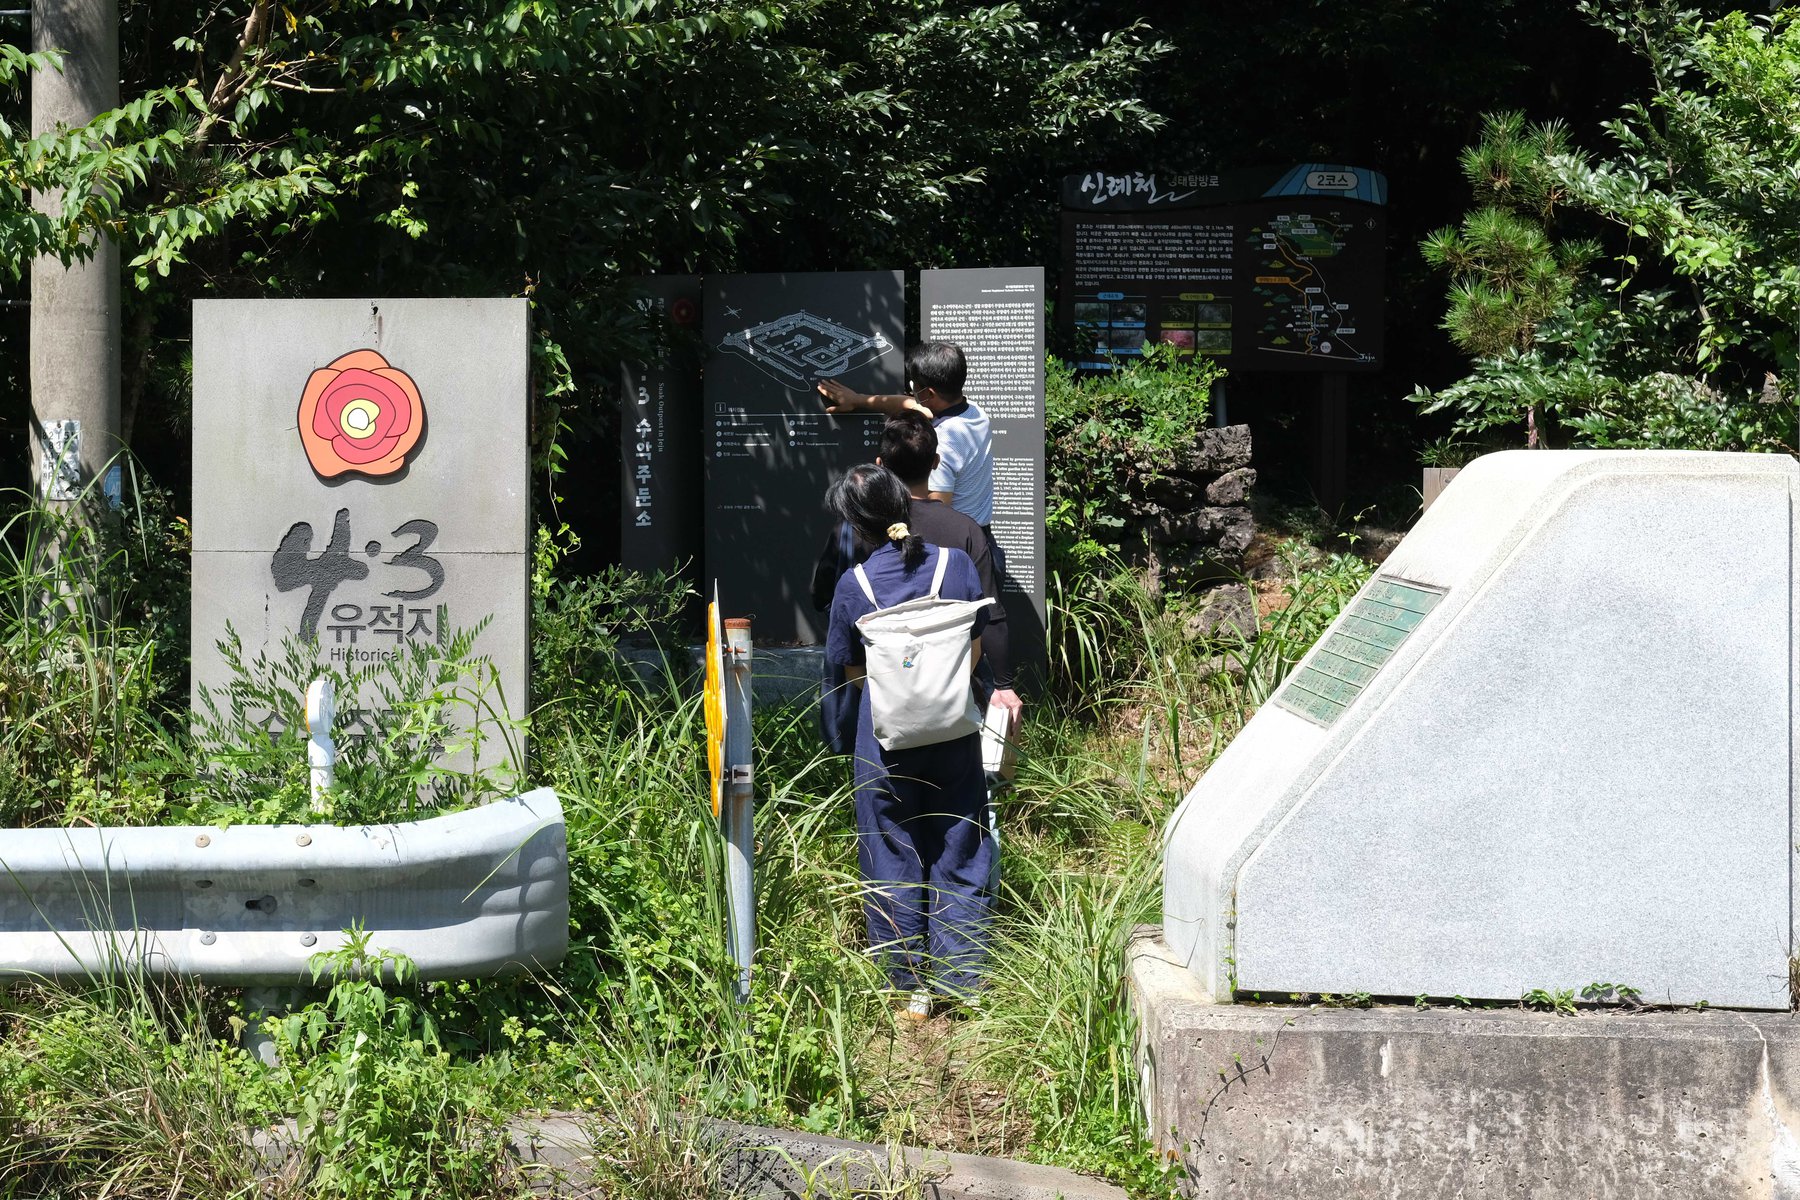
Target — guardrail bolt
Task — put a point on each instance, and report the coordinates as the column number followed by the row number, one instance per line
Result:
column 304, row 839
column 309, row 940
column 207, row 939
column 203, row 841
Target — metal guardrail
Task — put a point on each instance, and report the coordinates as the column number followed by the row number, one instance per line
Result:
column 480, row 892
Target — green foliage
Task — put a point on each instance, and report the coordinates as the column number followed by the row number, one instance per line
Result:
column 1613, row 993
column 1560, row 1000
column 1448, row 453
column 1107, row 435
column 383, row 1108
column 247, row 757
column 1682, row 332
column 577, row 625
column 90, row 639
column 344, row 147
column 1315, row 592
column 1057, row 1028
column 1507, row 274
column 119, row 1090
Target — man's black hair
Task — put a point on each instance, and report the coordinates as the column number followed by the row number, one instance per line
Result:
column 872, row 499
column 939, row 366
column 909, row 447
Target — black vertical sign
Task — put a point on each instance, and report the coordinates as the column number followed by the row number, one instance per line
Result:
column 659, row 406
column 997, row 317
column 770, row 450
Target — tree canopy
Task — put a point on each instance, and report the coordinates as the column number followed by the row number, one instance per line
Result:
column 553, row 149
column 1647, row 294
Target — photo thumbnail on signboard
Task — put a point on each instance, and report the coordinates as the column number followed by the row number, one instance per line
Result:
column 1263, row 270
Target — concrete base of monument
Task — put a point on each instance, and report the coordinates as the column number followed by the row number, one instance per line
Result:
column 1312, row 1103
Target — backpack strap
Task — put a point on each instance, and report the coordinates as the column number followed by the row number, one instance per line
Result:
column 862, row 577
column 937, row 575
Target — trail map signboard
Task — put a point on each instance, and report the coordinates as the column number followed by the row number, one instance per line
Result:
column 659, row 434
column 360, row 484
column 1263, row 270
column 997, row 317
column 770, row 449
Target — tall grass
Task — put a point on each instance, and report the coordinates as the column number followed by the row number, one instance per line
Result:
column 1312, row 596
column 121, row 1090
column 84, row 671
column 640, row 1025
column 648, row 893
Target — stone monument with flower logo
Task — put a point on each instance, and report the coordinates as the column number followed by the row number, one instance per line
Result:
column 360, row 490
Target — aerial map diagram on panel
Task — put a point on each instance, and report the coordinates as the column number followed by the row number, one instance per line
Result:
column 1294, row 287
column 800, row 349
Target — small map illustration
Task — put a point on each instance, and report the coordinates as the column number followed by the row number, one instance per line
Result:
column 1293, row 283
column 802, row 348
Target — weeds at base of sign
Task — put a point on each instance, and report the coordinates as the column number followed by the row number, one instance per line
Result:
column 434, row 706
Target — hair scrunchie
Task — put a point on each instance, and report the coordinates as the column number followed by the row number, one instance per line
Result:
column 898, row 532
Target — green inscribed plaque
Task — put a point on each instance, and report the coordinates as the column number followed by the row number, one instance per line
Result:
column 1356, row 648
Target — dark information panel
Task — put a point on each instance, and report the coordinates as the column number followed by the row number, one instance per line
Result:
column 770, row 450
column 997, row 317
column 1270, row 271
column 660, row 434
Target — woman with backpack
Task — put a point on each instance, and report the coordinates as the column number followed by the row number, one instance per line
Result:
column 906, row 625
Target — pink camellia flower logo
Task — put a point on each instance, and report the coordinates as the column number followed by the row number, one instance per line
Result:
column 360, row 415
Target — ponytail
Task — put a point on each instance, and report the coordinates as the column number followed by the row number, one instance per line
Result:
column 912, row 546
column 875, row 503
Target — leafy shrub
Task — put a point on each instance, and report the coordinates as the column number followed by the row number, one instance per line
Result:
column 383, row 1109
column 1677, row 329
column 578, row 625
column 1109, row 434
column 418, row 746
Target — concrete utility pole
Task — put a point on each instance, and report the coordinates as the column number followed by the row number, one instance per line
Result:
column 74, row 310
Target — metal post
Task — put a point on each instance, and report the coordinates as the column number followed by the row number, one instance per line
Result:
column 740, row 802
column 321, row 751
column 261, row 1006
column 74, row 309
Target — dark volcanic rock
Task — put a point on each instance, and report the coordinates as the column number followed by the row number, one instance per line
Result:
column 1226, row 610
column 1211, row 452
column 1231, row 487
column 1216, row 451
column 1229, row 529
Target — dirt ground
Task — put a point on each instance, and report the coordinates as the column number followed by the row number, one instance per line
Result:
column 931, row 1096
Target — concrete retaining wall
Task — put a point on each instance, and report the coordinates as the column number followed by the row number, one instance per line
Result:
column 1299, row 1103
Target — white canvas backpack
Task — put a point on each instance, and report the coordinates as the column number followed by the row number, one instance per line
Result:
column 918, row 657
